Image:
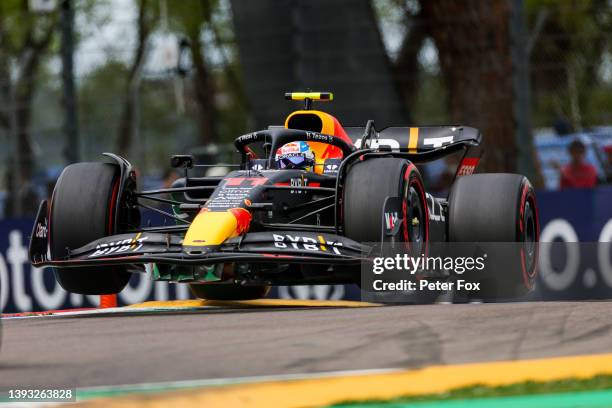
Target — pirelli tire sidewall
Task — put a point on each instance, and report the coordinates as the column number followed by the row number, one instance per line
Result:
column 415, row 206
column 82, row 210
column 496, row 210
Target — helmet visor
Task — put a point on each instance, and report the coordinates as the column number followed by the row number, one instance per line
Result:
column 291, row 162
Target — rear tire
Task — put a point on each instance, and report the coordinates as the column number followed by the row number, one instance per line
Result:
column 82, row 210
column 498, row 208
column 224, row 291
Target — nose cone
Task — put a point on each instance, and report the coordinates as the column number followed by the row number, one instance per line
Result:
column 214, row 227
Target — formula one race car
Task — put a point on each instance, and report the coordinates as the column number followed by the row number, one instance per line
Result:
column 306, row 205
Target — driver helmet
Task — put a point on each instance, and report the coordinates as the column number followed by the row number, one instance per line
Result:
column 295, row 155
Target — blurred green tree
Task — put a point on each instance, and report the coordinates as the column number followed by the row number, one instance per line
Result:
column 570, row 47
column 471, row 77
column 218, row 90
column 25, row 38
column 474, row 46
column 148, row 16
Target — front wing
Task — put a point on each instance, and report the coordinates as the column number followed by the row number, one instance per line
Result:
column 166, row 248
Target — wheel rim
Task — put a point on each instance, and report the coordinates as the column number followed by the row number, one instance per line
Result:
column 529, row 235
column 415, row 221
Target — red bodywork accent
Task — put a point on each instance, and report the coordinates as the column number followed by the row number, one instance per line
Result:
column 243, row 219
column 467, row 166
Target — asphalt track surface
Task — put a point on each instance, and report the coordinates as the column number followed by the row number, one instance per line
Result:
column 129, row 349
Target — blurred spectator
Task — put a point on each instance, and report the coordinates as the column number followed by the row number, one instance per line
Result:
column 168, row 177
column 578, row 173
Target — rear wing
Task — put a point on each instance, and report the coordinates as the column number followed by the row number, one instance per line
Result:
column 416, row 139
column 417, row 144
column 423, row 144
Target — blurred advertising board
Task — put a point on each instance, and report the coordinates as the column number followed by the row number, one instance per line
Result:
column 25, row 288
column 576, row 271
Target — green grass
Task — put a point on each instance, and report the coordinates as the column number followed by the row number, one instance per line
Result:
column 601, row 382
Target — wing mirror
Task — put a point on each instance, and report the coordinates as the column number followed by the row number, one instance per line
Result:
column 184, row 161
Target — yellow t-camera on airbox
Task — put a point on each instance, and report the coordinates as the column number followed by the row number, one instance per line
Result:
column 309, row 97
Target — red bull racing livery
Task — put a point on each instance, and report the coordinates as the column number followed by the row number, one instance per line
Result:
column 306, row 205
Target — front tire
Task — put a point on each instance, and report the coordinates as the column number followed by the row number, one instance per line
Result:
column 368, row 184
column 83, row 210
